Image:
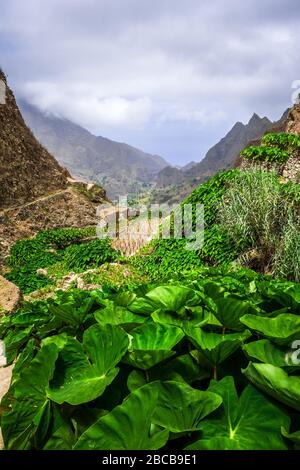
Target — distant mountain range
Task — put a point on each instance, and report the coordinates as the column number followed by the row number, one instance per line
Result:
column 123, row 169
column 174, row 183
column 118, row 167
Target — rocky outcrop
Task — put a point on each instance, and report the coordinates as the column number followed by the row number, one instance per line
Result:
column 293, row 120
column 10, row 296
column 27, row 170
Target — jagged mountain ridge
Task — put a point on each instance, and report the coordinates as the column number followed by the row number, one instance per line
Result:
column 224, row 154
column 120, row 167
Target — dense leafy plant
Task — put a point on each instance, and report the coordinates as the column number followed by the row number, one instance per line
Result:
column 88, row 255
column 282, row 140
column 70, row 248
column 163, row 366
column 62, row 237
column 266, row 154
column 169, row 257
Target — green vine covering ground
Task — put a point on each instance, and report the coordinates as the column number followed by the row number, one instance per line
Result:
column 175, row 349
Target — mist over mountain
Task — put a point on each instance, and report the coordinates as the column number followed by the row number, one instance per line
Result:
column 119, row 167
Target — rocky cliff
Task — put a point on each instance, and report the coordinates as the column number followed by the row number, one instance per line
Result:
column 27, row 170
column 36, row 193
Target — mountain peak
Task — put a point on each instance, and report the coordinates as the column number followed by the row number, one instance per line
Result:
column 255, row 119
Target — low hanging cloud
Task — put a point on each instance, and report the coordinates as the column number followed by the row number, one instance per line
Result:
column 166, row 75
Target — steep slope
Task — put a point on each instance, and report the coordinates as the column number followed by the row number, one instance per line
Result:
column 35, row 191
column 27, row 170
column 120, row 167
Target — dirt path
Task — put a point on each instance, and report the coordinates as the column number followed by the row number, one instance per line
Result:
column 31, row 203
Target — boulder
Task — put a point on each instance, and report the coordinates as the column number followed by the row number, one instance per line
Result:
column 10, row 296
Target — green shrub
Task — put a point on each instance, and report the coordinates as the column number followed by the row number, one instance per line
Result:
column 266, row 154
column 89, row 255
column 282, row 140
column 63, row 237
column 165, row 259
column 210, row 193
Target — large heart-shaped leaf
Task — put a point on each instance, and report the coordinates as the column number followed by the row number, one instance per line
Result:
column 250, row 422
column 117, row 315
column 283, row 329
column 276, row 383
column 181, row 408
column 181, row 369
column 287, row 297
column 129, row 426
column 83, row 371
column 229, row 309
column 152, row 343
column 264, row 351
column 196, row 316
column 30, row 408
column 173, row 298
column 216, row 347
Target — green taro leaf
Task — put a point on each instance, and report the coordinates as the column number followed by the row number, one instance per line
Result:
column 264, row 351
column 287, row 297
column 229, row 310
column 276, row 383
column 151, row 344
column 62, row 435
column 129, row 426
column 14, row 342
column 195, row 316
column 181, row 408
column 181, row 369
column 216, row 347
column 283, row 329
column 248, row 422
column 83, row 371
column 117, row 315
column 173, row 298
column 294, row 436
column 30, row 411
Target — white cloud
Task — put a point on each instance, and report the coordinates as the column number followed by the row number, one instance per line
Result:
column 155, row 66
column 82, row 105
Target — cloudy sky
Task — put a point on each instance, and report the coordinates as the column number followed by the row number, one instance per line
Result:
column 168, row 76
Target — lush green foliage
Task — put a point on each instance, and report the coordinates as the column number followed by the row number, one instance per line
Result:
column 62, row 237
column 282, row 140
column 70, row 248
column 209, row 194
column 89, row 255
column 275, row 148
column 165, row 258
column 164, row 366
column 266, row 154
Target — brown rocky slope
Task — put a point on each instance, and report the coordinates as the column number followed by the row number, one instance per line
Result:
column 36, row 193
